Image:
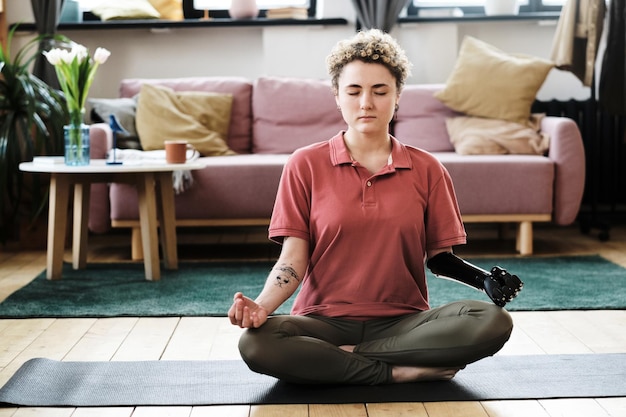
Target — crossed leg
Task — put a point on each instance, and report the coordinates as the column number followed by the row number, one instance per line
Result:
column 430, row 345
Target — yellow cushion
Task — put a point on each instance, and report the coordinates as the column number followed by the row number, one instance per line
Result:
column 169, row 9
column 487, row 82
column 125, row 9
column 477, row 135
column 200, row 118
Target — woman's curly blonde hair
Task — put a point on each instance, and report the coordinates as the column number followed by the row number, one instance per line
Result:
column 371, row 46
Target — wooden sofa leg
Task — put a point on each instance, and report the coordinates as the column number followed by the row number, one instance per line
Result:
column 525, row 238
column 136, row 248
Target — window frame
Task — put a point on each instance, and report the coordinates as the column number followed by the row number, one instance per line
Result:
column 92, row 22
column 192, row 13
column 533, row 6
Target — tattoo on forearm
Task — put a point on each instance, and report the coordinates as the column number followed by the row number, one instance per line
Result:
column 285, row 274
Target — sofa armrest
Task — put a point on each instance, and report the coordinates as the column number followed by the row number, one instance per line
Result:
column 100, row 141
column 568, row 153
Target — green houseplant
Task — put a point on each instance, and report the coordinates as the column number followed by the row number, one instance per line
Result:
column 32, row 115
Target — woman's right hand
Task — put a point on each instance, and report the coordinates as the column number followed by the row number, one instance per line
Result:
column 246, row 313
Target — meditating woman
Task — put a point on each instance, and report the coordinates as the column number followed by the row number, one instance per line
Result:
column 357, row 216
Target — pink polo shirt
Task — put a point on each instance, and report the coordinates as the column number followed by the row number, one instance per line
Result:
column 368, row 233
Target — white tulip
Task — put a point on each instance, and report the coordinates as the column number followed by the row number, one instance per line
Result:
column 67, row 56
column 76, row 71
column 101, row 55
column 80, row 52
column 53, row 56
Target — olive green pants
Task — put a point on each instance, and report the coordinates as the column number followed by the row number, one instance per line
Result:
column 305, row 349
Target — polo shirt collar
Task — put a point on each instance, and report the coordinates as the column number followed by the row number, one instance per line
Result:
column 340, row 155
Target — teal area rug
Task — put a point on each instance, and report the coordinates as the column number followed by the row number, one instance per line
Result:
column 206, row 289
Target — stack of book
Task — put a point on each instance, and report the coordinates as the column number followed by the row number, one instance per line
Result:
column 288, row 13
column 48, row 160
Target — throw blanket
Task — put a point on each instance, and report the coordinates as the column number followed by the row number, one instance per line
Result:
column 181, row 178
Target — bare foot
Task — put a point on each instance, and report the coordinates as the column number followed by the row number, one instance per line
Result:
column 402, row 374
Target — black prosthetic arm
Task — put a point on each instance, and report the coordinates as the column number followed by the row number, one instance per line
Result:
column 498, row 284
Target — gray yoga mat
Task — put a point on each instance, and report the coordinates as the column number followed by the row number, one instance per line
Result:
column 43, row 382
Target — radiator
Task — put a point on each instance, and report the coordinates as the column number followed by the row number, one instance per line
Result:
column 605, row 148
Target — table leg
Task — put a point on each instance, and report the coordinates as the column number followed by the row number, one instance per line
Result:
column 81, row 220
column 57, row 224
column 167, row 219
column 149, row 227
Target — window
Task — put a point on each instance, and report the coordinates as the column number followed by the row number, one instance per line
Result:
column 476, row 6
column 87, row 5
column 263, row 4
column 219, row 8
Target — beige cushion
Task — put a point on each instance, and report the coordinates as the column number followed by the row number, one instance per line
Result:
column 476, row 135
column 169, row 9
column 487, row 82
column 125, row 9
column 198, row 117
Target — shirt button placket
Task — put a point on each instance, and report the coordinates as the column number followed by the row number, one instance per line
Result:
column 368, row 193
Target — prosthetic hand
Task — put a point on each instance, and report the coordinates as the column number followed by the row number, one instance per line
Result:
column 498, row 284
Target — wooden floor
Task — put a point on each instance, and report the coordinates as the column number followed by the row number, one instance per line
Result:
column 127, row 338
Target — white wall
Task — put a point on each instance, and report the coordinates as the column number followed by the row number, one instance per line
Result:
column 297, row 51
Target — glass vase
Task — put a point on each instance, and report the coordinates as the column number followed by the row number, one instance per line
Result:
column 76, row 140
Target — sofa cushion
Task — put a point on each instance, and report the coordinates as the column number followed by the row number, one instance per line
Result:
column 479, row 135
column 421, row 119
column 229, row 187
column 488, row 82
column 290, row 113
column 493, row 184
column 198, row 117
column 240, row 88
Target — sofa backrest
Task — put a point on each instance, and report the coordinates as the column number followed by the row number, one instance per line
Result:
column 290, row 113
column 277, row 115
column 241, row 89
column 421, row 119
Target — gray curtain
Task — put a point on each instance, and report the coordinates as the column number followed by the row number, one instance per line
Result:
column 378, row 14
column 47, row 14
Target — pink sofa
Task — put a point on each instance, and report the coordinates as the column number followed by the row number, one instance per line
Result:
column 271, row 117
